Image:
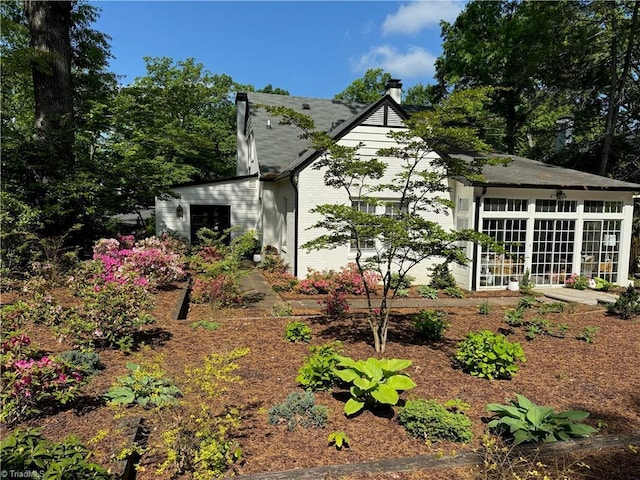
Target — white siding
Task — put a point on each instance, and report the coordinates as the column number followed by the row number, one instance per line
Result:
column 313, row 192
column 464, row 215
column 241, row 195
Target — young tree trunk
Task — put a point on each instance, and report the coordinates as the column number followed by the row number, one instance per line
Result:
column 618, row 85
column 49, row 29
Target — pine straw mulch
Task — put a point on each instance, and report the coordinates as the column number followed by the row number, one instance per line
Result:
column 564, row 373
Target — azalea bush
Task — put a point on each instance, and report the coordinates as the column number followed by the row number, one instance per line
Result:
column 336, row 304
column 109, row 316
column 149, row 262
column 31, row 384
column 348, row 280
column 222, row 290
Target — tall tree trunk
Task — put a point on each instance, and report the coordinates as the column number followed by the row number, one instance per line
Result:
column 618, row 85
column 49, row 29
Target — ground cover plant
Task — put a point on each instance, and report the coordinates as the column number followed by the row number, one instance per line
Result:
column 227, row 393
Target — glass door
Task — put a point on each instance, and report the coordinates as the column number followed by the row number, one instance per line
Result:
column 552, row 255
column 601, row 249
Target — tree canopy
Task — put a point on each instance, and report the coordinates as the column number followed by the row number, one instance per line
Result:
column 550, row 60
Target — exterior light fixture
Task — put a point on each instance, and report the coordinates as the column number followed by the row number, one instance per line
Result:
column 560, row 195
column 179, row 212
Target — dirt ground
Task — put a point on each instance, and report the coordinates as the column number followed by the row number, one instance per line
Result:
column 564, row 373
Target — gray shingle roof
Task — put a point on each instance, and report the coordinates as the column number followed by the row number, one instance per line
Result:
column 280, row 146
column 524, row 172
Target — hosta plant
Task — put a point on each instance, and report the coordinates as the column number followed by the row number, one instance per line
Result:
column 339, row 439
column 373, row 381
column 527, row 422
column 146, row 387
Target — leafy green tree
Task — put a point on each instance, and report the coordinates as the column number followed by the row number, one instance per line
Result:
column 424, row 95
column 407, row 237
column 39, row 164
column 368, row 89
column 550, row 60
column 276, row 91
column 175, row 124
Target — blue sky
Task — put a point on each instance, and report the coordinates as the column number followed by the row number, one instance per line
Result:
column 313, row 49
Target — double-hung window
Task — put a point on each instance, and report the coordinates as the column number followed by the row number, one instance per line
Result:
column 363, row 242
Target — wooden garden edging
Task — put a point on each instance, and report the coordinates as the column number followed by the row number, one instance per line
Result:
column 182, row 307
column 437, row 461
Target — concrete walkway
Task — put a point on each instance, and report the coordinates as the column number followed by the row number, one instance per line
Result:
column 587, row 297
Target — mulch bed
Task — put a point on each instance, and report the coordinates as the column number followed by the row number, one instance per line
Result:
column 564, row 373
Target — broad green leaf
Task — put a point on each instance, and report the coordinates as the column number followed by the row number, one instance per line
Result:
column 385, row 394
column 353, row 406
column 400, row 382
column 346, row 375
column 520, row 436
column 363, row 383
column 581, row 430
column 536, row 414
column 395, row 364
column 575, row 415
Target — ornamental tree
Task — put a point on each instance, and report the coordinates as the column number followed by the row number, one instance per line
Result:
column 407, row 237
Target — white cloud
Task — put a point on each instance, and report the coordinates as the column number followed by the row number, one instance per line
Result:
column 413, row 17
column 416, row 62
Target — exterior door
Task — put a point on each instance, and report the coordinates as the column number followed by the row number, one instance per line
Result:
column 213, row 217
column 553, row 246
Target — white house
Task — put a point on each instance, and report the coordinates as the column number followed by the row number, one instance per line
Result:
column 555, row 221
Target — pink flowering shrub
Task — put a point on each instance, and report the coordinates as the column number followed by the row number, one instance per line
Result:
column 281, row 281
column 348, row 280
column 30, row 385
column 318, row 283
column 221, row 290
column 335, row 304
column 151, row 261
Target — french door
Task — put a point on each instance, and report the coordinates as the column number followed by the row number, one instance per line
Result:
column 552, row 254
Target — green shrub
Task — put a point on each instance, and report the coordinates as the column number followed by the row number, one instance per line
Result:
column 528, row 302
column 374, row 381
column 603, row 285
column 298, row 409
column 282, row 310
column 588, row 334
column 484, row 308
column 514, row 317
column 627, row 305
column 401, row 283
column 428, row 292
column 27, row 451
column 428, row 420
column 317, row 371
column 489, row 355
column 527, row 422
column 206, row 324
column 85, row 361
column 431, row 324
column 272, row 263
column 454, row 292
column 526, row 285
column 297, row 332
column 146, row 387
column 442, row 278
column 109, row 316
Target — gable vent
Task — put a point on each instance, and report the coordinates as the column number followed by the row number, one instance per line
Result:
column 306, row 106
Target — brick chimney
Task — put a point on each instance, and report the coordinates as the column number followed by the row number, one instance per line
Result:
column 394, row 89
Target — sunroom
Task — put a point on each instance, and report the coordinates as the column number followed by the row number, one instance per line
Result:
column 572, row 223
